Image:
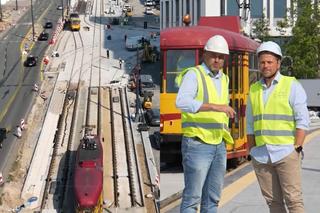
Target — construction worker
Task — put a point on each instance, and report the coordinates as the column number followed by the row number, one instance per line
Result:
column 277, row 118
column 120, row 63
column 203, row 98
column 108, row 53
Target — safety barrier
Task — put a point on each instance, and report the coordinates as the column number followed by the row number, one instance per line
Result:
column 57, row 31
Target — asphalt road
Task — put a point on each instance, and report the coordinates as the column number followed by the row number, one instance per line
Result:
column 153, row 69
column 16, row 81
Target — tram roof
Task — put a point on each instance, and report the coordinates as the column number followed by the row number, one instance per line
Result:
column 194, row 37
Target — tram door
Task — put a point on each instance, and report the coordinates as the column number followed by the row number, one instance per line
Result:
column 236, row 68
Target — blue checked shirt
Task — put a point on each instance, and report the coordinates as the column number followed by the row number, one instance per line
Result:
column 298, row 101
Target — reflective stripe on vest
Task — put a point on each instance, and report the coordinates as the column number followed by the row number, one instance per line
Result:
column 273, row 121
column 273, row 117
column 274, row 133
column 205, row 125
column 210, row 127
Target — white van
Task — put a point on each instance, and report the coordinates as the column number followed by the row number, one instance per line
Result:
column 134, row 42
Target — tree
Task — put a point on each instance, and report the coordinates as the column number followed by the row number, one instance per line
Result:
column 304, row 46
column 261, row 28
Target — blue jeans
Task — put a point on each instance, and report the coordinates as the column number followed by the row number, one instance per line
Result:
column 204, row 168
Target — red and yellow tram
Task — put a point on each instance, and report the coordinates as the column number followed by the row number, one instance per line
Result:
column 88, row 176
column 182, row 47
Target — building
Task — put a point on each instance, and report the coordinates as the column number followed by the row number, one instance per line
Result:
column 172, row 12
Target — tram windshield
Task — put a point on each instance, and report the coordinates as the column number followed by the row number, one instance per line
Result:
column 177, row 60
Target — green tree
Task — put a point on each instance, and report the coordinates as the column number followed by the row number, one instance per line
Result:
column 261, row 28
column 304, row 46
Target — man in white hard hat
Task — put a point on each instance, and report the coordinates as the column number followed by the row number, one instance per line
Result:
column 203, row 98
column 277, row 118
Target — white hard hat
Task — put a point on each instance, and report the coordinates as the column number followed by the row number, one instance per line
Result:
column 270, row 46
column 217, row 44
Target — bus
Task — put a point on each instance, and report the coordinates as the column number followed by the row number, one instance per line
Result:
column 74, row 22
column 182, row 47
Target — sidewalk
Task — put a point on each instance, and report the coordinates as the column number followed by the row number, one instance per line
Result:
column 241, row 193
column 250, row 199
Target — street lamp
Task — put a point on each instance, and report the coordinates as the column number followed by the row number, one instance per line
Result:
column 32, row 20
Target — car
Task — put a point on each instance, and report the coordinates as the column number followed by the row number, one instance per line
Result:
column 146, row 85
column 126, row 7
column 3, row 136
column 149, row 3
column 31, row 61
column 152, row 117
column 48, row 25
column 43, row 36
column 59, row 7
column 149, row 11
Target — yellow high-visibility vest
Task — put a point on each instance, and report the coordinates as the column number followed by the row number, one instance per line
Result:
column 273, row 121
column 210, row 127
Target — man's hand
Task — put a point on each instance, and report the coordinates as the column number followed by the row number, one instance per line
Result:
column 218, row 108
column 227, row 109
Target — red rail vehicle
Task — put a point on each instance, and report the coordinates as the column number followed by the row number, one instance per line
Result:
column 88, row 177
column 182, row 47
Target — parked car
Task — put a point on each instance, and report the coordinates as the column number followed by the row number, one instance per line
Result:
column 146, row 85
column 149, row 11
column 48, row 25
column 59, row 7
column 31, row 61
column 43, row 36
column 126, row 7
column 149, row 3
column 152, row 117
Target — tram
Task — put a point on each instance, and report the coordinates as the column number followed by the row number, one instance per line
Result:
column 74, row 22
column 88, row 175
column 182, row 47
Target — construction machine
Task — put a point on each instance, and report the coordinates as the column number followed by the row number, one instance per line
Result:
column 150, row 53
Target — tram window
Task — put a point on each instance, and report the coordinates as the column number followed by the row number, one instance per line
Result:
column 240, row 73
column 254, row 73
column 236, row 72
column 161, row 71
column 231, row 69
column 177, row 60
column 253, row 61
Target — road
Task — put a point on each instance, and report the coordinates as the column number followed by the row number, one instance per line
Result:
column 153, row 69
column 16, row 81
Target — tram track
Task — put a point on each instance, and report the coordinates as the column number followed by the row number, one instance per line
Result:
column 63, row 142
column 127, row 182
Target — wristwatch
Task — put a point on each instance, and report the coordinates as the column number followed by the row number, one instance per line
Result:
column 298, row 148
